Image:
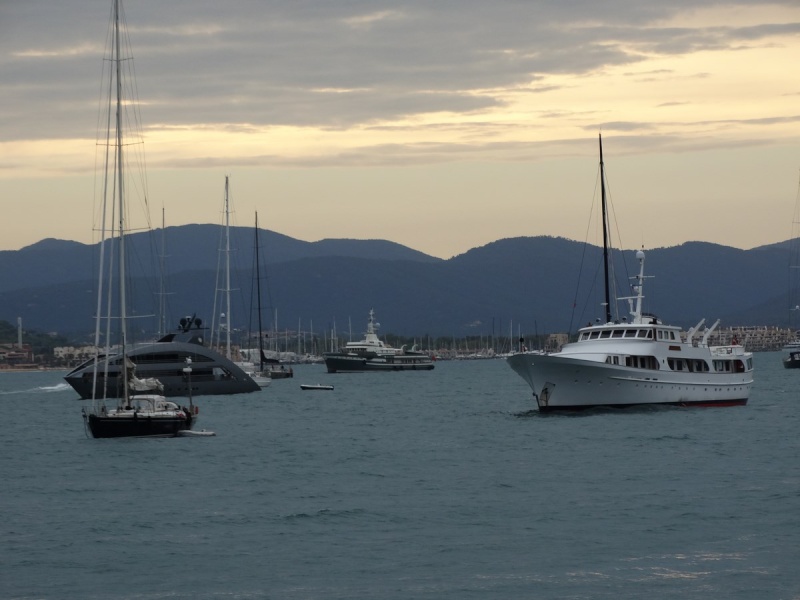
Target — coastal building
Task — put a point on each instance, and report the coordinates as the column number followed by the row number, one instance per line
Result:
column 74, row 354
column 15, row 356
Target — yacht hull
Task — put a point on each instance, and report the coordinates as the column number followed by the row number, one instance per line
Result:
column 137, row 426
column 336, row 363
column 212, row 373
column 568, row 383
column 792, row 361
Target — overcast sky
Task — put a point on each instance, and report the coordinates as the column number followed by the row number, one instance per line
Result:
column 439, row 124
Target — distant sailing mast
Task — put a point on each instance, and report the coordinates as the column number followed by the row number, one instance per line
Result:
column 227, row 290
column 258, row 303
column 606, row 281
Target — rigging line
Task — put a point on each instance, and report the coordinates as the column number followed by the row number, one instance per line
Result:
column 583, row 258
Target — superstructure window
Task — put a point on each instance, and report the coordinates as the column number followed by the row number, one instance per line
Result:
column 642, row 362
column 722, row 366
column 679, row 364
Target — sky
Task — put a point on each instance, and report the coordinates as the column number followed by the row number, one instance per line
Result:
column 441, row 125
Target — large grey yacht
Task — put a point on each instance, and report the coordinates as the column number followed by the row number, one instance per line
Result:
column 165, row 360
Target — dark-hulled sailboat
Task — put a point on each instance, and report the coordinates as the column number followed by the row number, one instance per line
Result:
column 141, row 409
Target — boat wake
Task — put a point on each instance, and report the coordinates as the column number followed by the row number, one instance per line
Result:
column 59, row 387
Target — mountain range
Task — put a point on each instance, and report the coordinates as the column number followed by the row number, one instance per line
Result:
column 530, row 284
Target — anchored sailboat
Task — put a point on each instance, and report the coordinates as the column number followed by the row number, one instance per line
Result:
column 141, row 410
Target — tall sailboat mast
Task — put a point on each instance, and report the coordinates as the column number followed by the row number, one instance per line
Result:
column 162, row 302
column 227, row 274
column 258, row 303
column 605, row 232
column 121, row 203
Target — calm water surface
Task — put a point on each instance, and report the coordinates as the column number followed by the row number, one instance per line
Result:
column 442, row 485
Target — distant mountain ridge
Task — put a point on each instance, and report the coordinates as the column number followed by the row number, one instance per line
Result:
column 186, row 247
column 527, row 282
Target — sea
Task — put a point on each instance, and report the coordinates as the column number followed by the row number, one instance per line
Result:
column 446, row 484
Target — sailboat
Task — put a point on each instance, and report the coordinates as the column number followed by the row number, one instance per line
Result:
column 141, row 410
column 225, row 321
column 792, row 361
column 261, row 374
column 637, row 360
column 268, row 367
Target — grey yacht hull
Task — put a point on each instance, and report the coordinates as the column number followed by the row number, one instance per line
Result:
column 212, row 373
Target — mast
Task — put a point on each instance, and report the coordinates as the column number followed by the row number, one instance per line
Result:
column 227, row 274
column 258, row 302
column 605, row 231
column 274, row 333
column 162, row 306
column 121, row 202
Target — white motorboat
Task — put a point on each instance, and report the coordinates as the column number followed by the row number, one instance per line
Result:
column 636, row 361
column 372, row 354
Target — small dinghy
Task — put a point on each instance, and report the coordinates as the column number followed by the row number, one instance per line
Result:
column 317, row 386
column 190, row 433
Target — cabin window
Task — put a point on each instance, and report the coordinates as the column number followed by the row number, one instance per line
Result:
column 594, row 335
column 617, row 333
column 605, row 334
column 749, row 364
column 584, row 336
column 722, row 366
column 678, row 364
column 642, row 362
column 630, row 333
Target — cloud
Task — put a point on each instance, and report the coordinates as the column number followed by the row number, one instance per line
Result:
column 334, row 65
